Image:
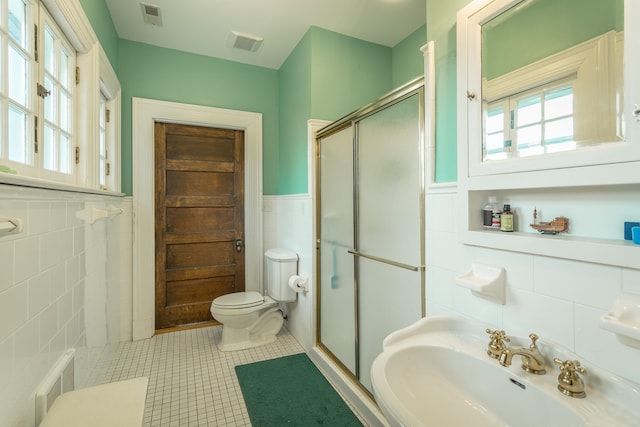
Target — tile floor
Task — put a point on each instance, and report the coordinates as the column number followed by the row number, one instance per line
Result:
column 191, row 382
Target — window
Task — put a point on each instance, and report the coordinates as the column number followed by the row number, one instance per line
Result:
column 103, row 168
column 496, row 143
column 51, row 67
column 543, row 121
column 108, row 150
column 40, row 65
column 18, row 115
column 57, row 67
column 564, row 102
column 538, row 121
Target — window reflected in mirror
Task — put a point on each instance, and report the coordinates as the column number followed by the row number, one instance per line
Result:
column 552, row 77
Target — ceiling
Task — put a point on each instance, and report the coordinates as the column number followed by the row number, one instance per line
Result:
column 203, row 26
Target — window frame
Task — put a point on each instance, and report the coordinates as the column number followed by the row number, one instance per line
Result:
column 109, row 87
column 511, row 146
column 30, row 106
column 96, row 74
column 45, row 20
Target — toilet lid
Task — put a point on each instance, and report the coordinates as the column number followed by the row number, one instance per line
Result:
column 239, row 300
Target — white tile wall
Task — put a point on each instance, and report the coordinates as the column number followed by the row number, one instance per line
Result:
column 631, row 281
column 55, row 291
column 560, row 300
column 288, row 223
column 65, row 284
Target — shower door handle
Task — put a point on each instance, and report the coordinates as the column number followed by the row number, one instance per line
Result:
column 239, row 245
column 387, row 261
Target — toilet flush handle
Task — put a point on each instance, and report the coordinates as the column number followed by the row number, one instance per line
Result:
column 239, row 245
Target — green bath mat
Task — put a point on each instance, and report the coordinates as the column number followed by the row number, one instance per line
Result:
column 291, row 391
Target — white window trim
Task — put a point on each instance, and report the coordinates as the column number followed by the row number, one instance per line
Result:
column 110, row 86
column 94, row 65
column 71, row 18
column 96, row 74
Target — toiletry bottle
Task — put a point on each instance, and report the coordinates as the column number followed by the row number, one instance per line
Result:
column 487, row 212
column 506, row 219
column 495, row 219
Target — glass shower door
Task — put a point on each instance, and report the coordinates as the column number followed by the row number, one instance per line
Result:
column 370, row 227
column 337, row 288
column 390, row 233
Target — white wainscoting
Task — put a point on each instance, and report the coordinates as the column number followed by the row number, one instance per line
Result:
column 64, row 283
column 288, row 223
column 561, row 300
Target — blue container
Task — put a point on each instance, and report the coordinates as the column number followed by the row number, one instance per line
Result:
column 627, row 229
column 635, row 235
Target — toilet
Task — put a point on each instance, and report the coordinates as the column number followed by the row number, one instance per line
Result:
column 250, row 319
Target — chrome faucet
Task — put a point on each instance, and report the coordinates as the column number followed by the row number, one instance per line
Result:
column 532, row 359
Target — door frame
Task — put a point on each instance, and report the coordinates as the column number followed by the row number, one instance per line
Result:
column 144, row 113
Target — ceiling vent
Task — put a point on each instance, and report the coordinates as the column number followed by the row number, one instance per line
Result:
column 244, row 41
column 151, row 14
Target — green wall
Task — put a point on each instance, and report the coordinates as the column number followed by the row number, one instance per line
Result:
column 346, row 73
column 327, row 76
column 441, row 28
column 100, row 19
column 544, row 29
column 295, row 110
column 407, row 58
column 169, row 75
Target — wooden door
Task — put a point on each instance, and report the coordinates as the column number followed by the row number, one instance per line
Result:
column 199, row 220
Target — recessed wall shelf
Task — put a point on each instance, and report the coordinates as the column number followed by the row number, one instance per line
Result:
column 619, row 253
column 596, row 222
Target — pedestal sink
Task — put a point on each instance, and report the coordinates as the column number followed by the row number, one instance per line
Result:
column 437, row 373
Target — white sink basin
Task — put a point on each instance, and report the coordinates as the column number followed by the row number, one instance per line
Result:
column 437, row 373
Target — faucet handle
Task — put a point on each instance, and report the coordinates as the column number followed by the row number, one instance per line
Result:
column 534, row 338
column 569, row 382
column 498, row 335
column 496, row 343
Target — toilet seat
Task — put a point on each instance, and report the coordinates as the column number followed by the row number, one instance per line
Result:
column 240, row 304
column 239, row 300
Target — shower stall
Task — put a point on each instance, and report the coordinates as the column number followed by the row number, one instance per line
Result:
column 370, row 228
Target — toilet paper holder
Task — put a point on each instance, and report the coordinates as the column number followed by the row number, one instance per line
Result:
column 299, row 283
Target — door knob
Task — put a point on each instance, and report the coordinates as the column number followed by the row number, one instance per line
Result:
column 239, row 245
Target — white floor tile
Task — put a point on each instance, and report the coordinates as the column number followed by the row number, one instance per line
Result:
column 191, row 382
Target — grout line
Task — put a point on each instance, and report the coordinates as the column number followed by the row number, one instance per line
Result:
column 191, row 382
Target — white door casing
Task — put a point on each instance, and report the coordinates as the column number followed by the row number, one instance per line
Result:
column 144, row 113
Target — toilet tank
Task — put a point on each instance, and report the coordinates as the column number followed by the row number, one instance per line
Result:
column 281, row 264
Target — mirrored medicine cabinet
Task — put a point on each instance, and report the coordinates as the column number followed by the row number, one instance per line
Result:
column 548, row 95
column 548, row 84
